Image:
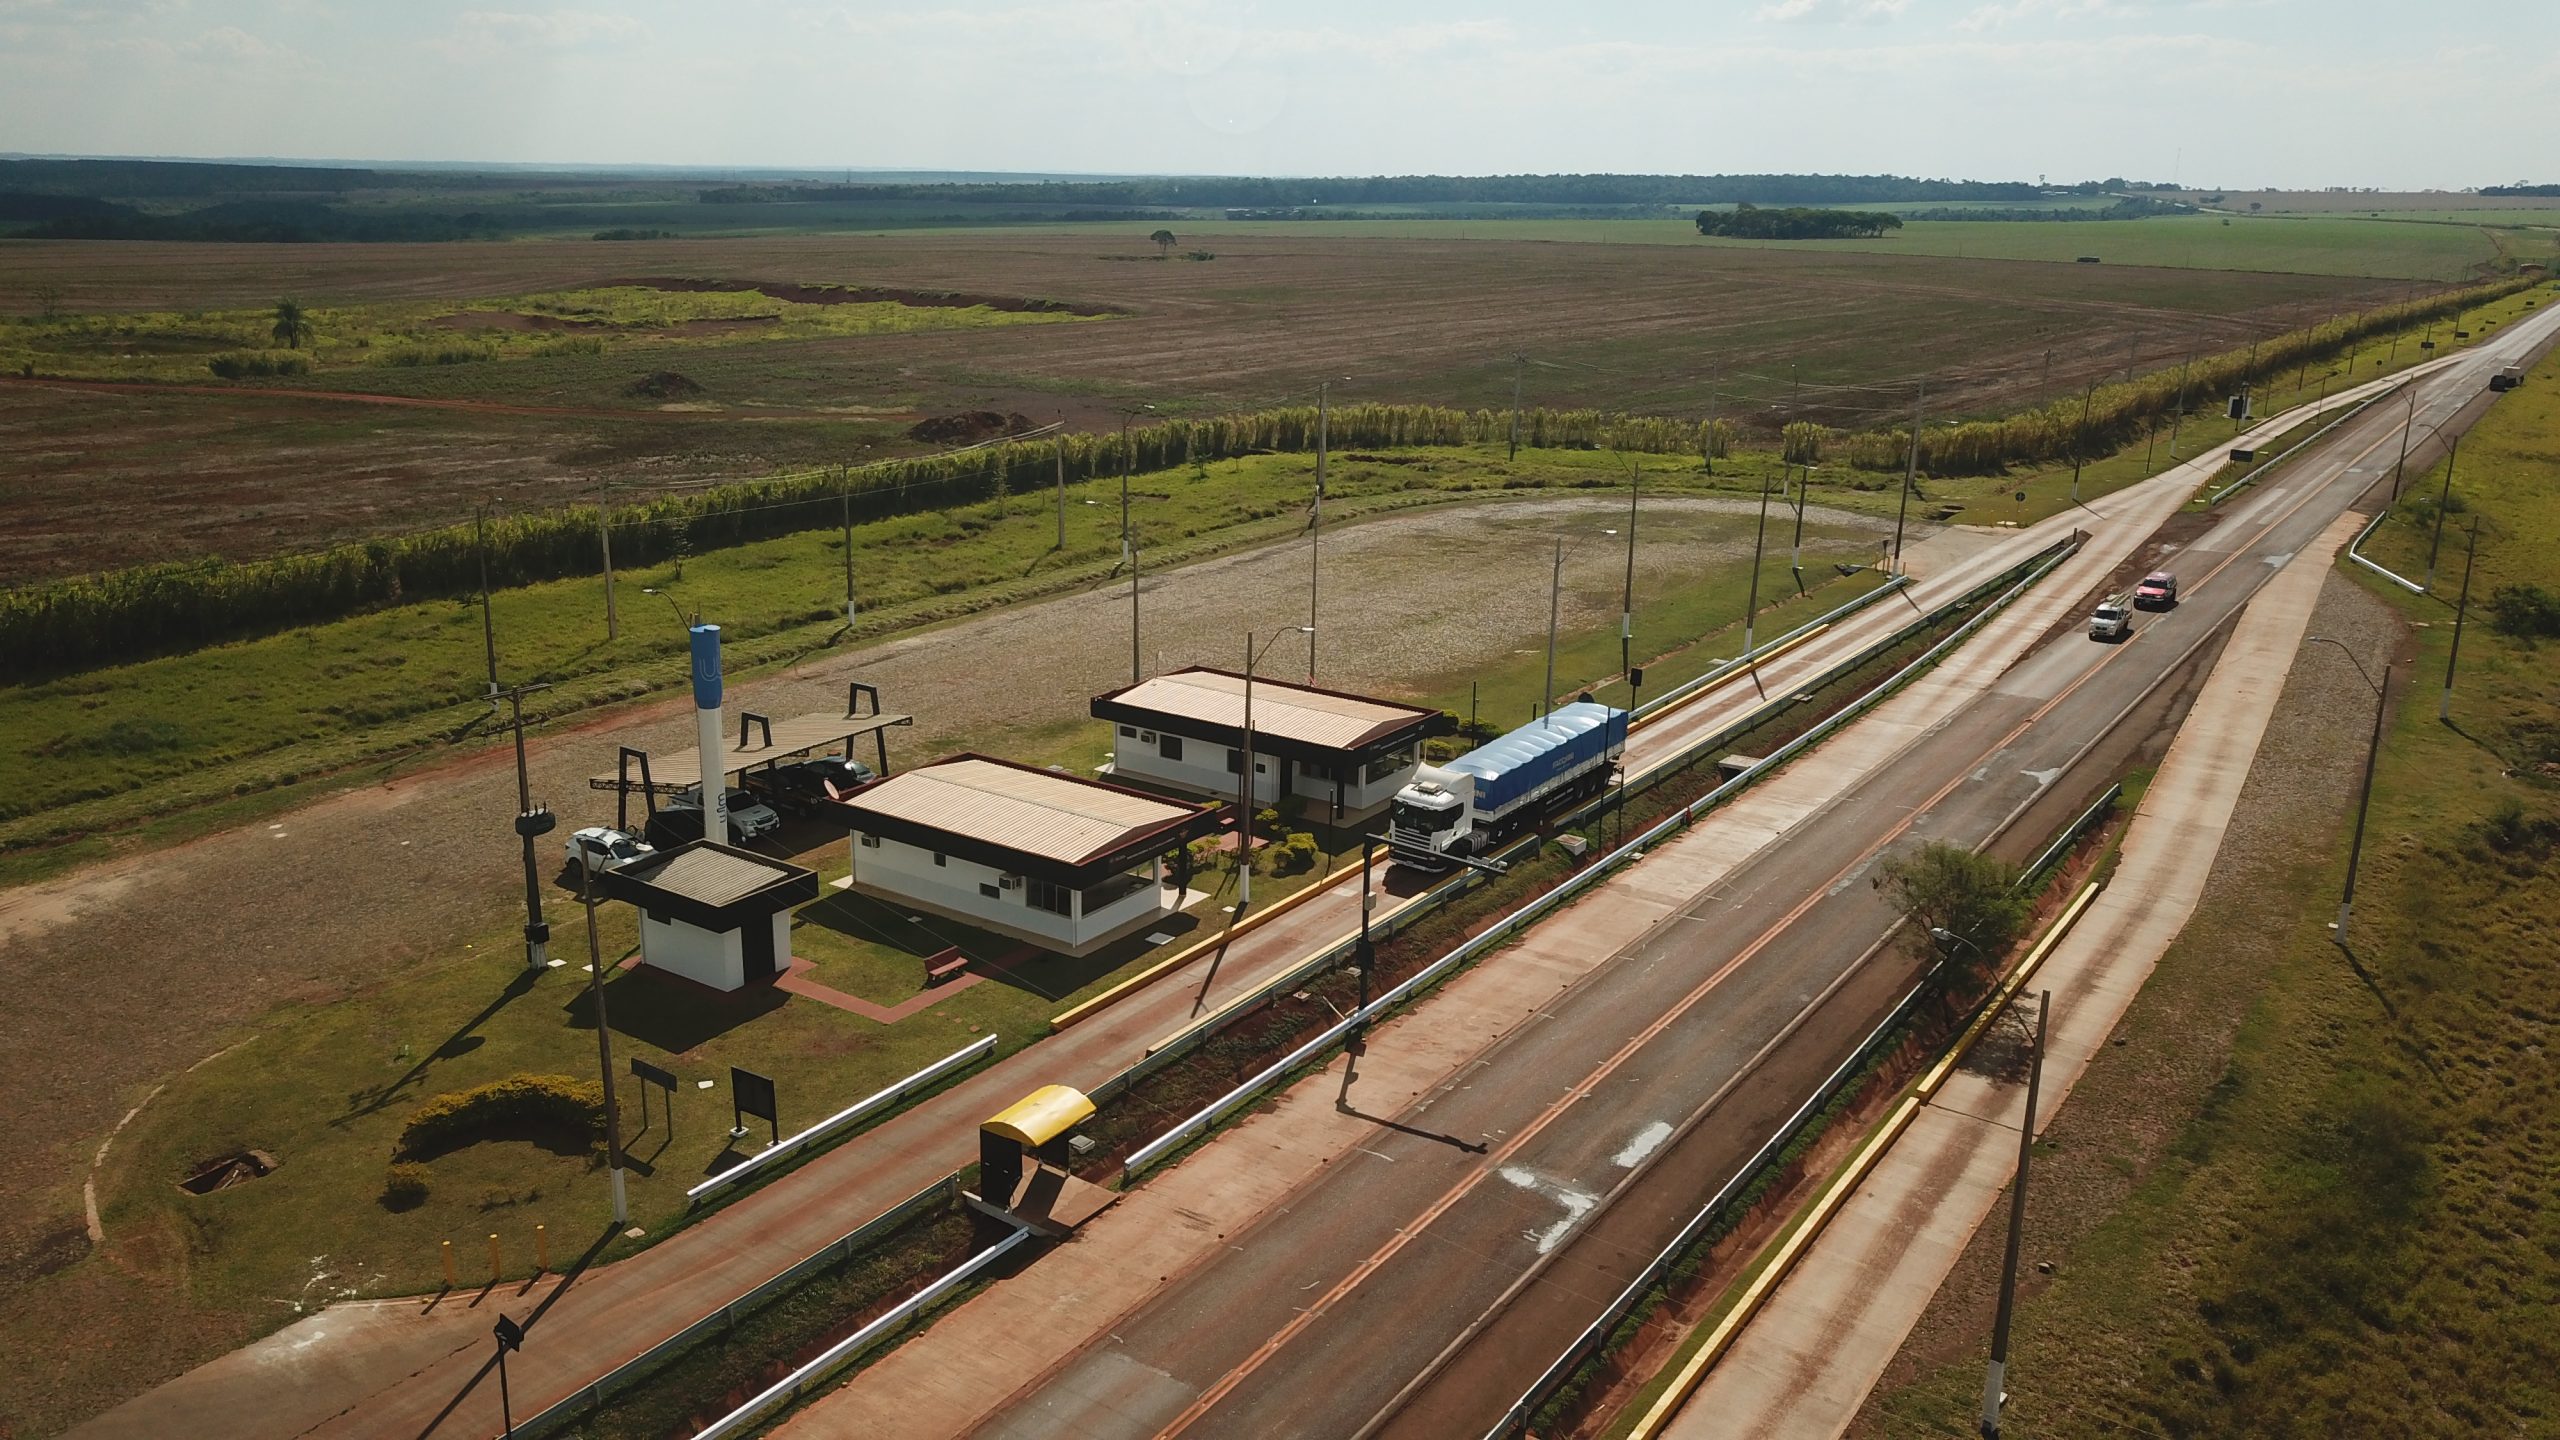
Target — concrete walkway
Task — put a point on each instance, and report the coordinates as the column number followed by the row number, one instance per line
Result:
column 1804, row 1366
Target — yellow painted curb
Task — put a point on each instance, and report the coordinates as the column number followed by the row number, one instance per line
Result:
column 1766, row 1282
column 1188, row 953
column 1763, row 658
column 1837, row 1194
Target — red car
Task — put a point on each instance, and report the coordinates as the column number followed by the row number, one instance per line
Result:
column 2158, row 591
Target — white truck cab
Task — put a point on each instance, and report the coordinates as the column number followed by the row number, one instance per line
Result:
column 2112, row 620
column 1431, row 816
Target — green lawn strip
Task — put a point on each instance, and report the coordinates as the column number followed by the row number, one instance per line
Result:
column 2356, row 1232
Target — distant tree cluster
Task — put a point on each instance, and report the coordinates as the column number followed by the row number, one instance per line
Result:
column 2541, row 190
column 1750, row 222
column 1252, row 193
column 2129, row 209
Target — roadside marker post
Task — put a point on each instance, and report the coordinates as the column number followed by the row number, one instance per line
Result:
column 448, row 1265
column 541, row 1251
column 493, row 1257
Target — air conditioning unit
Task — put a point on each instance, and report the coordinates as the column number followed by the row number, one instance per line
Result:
column 1011, row 882
column 1147, row 736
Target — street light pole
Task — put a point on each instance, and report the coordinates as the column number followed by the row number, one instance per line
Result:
column 1627, row 595
column 1129, row 539
column 2364, row 797
column 530, row 823
column 2452, row 450
column 1910, row 472
column 1519, row 367
column 1751, row 607
column 1795, row 562
column 849, row 610
column 488, row 625
column 604, row 1041
column 1555, row 604
column 1245, row 797
column 2080, row 440
column 1315, row 534
column 2408, row 418
column 2461, row 609
column 1995, row 1391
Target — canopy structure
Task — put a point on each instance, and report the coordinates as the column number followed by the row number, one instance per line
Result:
column 1042, row 1116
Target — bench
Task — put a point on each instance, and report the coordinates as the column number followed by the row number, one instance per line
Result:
column 947, row 966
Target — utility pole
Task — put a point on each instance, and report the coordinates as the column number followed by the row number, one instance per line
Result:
column 1627, row 596
column 1555, row 605
column 1129, row 546
column 1751, row 608
column 2452, row 450
column 1804, row 487
column 2248, row 378
column 1062, row 482
column 1715, row 404
column 604, row 1041
column 1995, row 1388
column 1244, row 792
column 2178, row 420
column 2080, row 440
column 1315, row 535
column 1519, row 367
column 2047, row 382
column 2461, row 609
column 488, row 626
column 530, row 822
column 849, row 609
column 604, row 537
column 1910, row 472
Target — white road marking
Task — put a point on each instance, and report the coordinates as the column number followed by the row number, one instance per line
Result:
column 1576, row 1205
column 1646, row 1141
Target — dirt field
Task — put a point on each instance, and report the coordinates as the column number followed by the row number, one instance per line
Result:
column 121, row 976
column 117, row 476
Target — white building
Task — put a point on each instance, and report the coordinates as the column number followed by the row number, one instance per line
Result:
column 713, row 913
column 1066, row 863
column 1348, row 754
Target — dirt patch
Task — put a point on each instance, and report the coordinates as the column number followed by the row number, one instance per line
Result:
column 968, row 427
column 508, row 320
column 867, row 295
column 663, row 385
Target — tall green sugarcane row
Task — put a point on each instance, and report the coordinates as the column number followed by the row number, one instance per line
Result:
column 154, row 609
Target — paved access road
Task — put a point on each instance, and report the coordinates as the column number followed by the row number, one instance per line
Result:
column 1415, row 1287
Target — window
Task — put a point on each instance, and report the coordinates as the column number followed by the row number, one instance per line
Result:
column 1235, row 762
column 989, row 891
column 1170, row 747
column 867, row 841
column 1386, row 765
column 1128, row 732
column 1056, row 899
column 941, row 859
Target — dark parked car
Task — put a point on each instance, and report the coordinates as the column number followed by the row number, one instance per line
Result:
column 803, row 785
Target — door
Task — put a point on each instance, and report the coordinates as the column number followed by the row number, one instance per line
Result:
column 756, row 936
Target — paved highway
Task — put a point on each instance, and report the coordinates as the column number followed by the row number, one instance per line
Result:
column 1413, row 1288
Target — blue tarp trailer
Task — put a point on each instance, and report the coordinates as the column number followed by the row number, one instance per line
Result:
column 1567, row 743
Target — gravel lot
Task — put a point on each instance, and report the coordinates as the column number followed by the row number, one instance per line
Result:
column 121, row 975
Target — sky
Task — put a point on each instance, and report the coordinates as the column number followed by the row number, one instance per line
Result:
column 2393, row 94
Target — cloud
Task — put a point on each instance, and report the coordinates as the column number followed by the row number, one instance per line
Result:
column 1837, row 12
column 556, row 29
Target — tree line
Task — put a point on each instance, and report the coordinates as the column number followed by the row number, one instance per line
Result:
column 1246, row 192
column 1750, row 222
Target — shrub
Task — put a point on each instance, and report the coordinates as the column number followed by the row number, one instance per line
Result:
column 257, row 364
column 1297, row 853
column 2525, row 611
column 455, row 1119
column 405, row 1185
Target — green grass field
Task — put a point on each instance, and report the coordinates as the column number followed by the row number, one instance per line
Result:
column 2358, row 1232
column 2323, row 245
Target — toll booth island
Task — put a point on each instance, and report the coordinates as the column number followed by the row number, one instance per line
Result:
column 1022, row 1164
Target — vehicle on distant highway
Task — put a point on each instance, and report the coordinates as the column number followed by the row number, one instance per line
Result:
column 2112, row 620
column 1484, row 797
column 2158, row 591
column 801, row 786
column 680, row 819
column 602, row 847
column 2508, row 378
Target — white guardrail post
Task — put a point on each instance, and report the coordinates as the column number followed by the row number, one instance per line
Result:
column 869, row 1105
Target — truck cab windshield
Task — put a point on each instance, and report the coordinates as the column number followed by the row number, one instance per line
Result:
column 1409, row 816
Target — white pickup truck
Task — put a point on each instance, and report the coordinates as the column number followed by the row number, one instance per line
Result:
column 2112, row 620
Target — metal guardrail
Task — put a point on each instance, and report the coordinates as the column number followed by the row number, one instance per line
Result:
column 2355, row 552
column 1729, row 668
column 863, row 1109
column 2302, row 444
column 1594, row 1336
column 2070, row 836
column 844, row 1352
column 640, row 1367
column 1502, row 930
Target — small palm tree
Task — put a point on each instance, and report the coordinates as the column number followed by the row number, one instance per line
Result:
column 292, row 327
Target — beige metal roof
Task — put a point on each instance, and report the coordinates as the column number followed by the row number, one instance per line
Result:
column 1037, row 812
column 680, row 768
column 1313, row 717
column 714, row 878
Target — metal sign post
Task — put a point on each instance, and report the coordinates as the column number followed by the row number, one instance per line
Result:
column 510, row 1336
column 752, row 1094
column 665, row 1080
